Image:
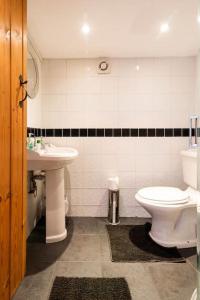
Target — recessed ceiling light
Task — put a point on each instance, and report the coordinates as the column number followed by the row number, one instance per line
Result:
column 164, row 27
column 137, row 68
column 198, row 18
column 85, row 29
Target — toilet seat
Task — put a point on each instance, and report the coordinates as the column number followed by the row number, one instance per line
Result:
column 164, row 195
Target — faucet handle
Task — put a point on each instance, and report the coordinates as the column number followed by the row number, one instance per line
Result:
column 31, row 135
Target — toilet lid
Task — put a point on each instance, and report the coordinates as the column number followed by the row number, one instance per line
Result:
column 167, row 195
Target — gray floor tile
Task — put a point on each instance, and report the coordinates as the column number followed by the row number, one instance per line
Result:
column 101, row 224
column 23, row 294
column 85, row 226
column 36, row 286
column 142, row 288
column 86, row 253
column 193, row 261
column 82, row 248
column 173, row 281
column 110, row 269
column 78, row 269
column 191, row 256
column 105, row 248
column 140, row 283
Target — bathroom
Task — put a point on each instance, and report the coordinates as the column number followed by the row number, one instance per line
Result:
column 112, row 90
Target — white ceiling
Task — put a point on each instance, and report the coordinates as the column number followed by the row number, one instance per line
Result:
column 119, row 28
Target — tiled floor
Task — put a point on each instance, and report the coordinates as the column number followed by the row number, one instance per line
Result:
column 86, row 253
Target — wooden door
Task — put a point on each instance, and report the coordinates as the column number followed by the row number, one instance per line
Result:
column 5, row 153
column 12, row 146
column 18, row 153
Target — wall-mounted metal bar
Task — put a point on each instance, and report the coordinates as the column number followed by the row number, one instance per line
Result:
column 193, row 131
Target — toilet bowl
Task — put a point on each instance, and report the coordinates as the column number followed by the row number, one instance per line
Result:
column 173, row 215
column 173, row 211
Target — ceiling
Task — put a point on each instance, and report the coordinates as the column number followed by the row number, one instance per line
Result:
column 119, row 28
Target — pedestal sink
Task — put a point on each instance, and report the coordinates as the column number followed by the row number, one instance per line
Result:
column 53, row 159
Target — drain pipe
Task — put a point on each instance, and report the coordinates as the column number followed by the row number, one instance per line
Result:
column 33, row 185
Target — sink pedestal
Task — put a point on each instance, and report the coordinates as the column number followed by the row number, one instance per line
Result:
column 53, row 159
column 55, row 206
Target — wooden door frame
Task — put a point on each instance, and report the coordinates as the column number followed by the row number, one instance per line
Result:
column 13, row 187
column 5, row 150
column 18, row 144
column 24, row 222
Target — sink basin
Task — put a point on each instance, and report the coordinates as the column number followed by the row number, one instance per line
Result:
column 53, row 159
column 50, row 158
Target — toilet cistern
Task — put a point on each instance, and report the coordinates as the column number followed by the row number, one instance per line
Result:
column 53, row 159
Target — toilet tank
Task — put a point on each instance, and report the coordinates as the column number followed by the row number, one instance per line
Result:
column 189, row 164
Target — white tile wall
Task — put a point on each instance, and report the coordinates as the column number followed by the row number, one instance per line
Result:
column 197, row 104
column 34, row 106
column 138, row 162
column 161, row 94
column 197, row 98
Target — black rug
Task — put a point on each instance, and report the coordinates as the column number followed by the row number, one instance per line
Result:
column 132, row 243
column 90, row 289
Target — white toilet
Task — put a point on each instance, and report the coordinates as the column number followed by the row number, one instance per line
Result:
column 173, row 211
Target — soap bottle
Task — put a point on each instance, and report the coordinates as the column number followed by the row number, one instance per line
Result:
column 38, row 144
column 30, row 142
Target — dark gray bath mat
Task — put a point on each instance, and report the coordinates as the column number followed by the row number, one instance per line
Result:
column 132, row 243
column 90, row 289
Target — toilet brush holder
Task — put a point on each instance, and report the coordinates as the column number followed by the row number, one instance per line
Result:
column 113, row 207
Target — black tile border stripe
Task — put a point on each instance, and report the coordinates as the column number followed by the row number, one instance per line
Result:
column 110, row 132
